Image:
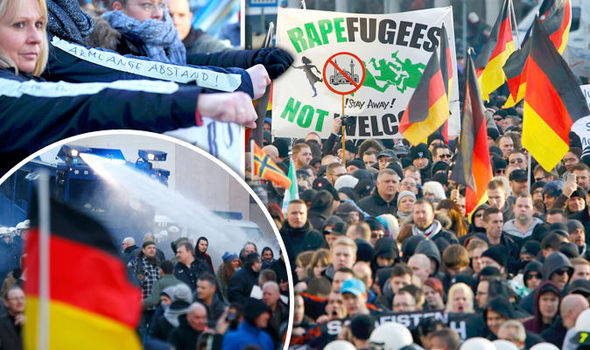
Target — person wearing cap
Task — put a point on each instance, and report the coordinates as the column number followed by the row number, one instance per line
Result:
column 354, row 295
column 350, row 151
column 422, row 159
column 385, row 157
column 334, row 228
column 495, row 257
column 383, row 199
column 551, row 191
column 521, row 227
column 405, row 204
column 251, row 330
column 181, row 298
column 499, row 165
column 146, row 267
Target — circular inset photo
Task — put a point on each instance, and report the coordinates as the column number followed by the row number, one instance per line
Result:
column 129, row 239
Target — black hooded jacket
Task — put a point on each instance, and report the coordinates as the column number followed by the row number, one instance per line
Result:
column 298, row 240
column 536, row 324
column 241, row 283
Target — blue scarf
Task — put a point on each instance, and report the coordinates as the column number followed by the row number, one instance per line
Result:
column 159, row 38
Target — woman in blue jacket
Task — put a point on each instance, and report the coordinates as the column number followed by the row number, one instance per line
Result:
column 35, row 113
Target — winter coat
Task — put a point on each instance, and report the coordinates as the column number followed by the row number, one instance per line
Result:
column 247, row 334
column 184, row 337
column 190, row 275
column 214, row 311
column 197, row 41
column 555, row 333
column 298, row 240
column 376, row 205
column 510, row 246
column 241, row 283
column 206, row 258
column 10, row 336
column 79, row 108
column 129, row 253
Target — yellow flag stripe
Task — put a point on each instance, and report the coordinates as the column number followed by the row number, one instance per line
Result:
column 75, row 328
column 437, row 114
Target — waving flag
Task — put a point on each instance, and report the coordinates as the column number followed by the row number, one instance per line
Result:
column 266, row 168
column 500, row 45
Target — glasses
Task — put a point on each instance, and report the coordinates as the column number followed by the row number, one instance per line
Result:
column 445, row 156
column 533, row 275
column 500, row 171
column 561, row 272
column 149, row 7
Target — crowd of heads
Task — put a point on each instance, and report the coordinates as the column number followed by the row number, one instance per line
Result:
column 384, row 230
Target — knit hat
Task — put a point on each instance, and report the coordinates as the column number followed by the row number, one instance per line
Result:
column 570, row 250
column 356, row 162
column 530, row 248
column 420, row 151
column 282, row 144
column 497, row 254
column 146, row 243
column 440, row 165
column 518, row 175
column 350, row 146
column 498, row 163
column 573, row 225
column 387, row 248
column 403, row 194
column 254, row 308
column 493, row 133
column 345, row 181
column 228, row 257
column 361, row 327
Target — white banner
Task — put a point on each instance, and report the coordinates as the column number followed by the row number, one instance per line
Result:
column 153, row 69
column 582, row 126
column 327, row 47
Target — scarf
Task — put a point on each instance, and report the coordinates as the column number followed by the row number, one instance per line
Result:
column 159, row 38
column 66, row 20
column 429, row 232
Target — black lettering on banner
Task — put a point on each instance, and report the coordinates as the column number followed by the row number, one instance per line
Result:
column 364, row 126
column 368, row 29
column 375, row 126
column 417, row 35
column 433, row 35
column 390, row 124
column 351, row 27
column 387, row 35
column 402, row 33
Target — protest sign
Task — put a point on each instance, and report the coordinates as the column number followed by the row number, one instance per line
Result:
column 456, row 321
column 582, row 126
column 393, row 50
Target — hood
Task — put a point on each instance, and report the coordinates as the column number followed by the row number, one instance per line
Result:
column 322, row 203
column 429, row 248
column 555, row 261
column 409, row 246
column 546, row 286
column 533, row 266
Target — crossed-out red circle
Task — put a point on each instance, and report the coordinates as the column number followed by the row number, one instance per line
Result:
column 330, row 62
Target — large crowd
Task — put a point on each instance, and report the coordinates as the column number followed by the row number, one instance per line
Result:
column 380, row 230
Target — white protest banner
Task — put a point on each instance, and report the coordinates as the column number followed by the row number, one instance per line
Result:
column 582, row 126
column 392, row 48
column 153, row 69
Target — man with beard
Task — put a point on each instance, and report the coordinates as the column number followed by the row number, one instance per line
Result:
column 297, row 232
column 146, row 267
column 426, row 225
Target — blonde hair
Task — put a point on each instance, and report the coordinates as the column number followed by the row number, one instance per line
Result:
column 11, row 8
column 320, row 256
column 468, row 295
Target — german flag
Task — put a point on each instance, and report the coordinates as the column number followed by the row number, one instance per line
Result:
column 420, row 119
column 552, row 102
column 473, row 167
column 446, row 67
column 493, row 56
column 91, row 303
column 264, row 167
column 556, row 16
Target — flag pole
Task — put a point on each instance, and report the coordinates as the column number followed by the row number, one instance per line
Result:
column 44, row 225
column 343, row 135
column 513, row 15
column 529, row 172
